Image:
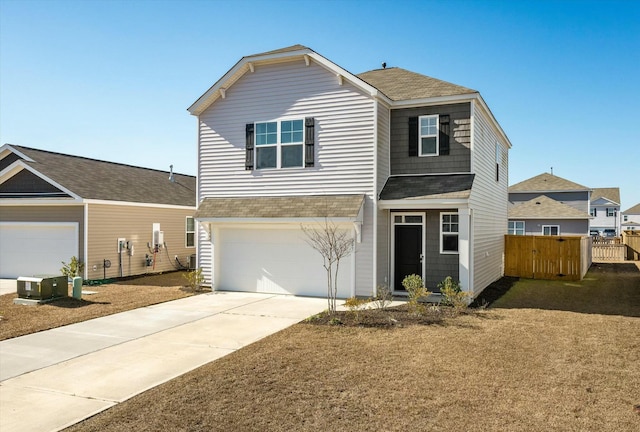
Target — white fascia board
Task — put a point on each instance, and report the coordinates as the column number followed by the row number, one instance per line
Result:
column 247, row 63
column 274, row 221
column 8, row 148
column 423, row 204
column 138, row 204
column 19, row 165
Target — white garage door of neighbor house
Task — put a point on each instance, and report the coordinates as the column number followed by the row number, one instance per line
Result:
column 29, row 249
column 276, row 261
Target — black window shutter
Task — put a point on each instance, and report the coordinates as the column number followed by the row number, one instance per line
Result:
column 444, row 135
column 249, row 147
column 413, row 136
column 309, row 137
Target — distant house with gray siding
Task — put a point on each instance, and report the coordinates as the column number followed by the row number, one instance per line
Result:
column 549, row 205
column 631, row 218
column 414, row 168
column 119, row 220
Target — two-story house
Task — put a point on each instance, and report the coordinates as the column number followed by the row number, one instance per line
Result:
column 549, row 205
column 605, row 211
column 413, row 167
column 631, row 218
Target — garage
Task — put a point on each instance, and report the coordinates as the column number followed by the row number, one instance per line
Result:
column 277, row 260
column 30, row 248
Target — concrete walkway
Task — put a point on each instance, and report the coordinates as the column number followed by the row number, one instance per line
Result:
column 56, row 378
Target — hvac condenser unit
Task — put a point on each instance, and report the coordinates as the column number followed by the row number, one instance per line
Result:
column 192, row 262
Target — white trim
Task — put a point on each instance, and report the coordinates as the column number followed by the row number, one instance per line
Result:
column 85, row 242
column 524, row 227
column 465, row 250
column 392, row 243
column 8, row 148
column 278, row 144
column 12, row 170
column 277, row 221
column 375, row 200
column 424, row 203
column 16, row 202
column 472, row 136
column 135, row 204
column 437, row 135
column 550, row 226
column 187, row 232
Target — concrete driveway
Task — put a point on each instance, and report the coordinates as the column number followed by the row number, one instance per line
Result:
column 55, row 378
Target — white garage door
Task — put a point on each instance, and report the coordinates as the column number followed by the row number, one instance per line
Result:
column 275, row 261
column 29, row 249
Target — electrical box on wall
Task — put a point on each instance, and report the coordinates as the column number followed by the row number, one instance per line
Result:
column 122, row 245
column 158, row 238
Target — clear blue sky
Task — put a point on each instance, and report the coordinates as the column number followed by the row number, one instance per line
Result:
column 112, row 79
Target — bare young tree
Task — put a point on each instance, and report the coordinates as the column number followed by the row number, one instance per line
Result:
column 333, row 244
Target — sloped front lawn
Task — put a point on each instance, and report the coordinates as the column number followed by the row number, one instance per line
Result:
column 504, row 369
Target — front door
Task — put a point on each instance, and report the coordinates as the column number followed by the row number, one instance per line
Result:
column 408, row 248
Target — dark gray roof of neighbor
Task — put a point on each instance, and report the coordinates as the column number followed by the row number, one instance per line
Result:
column 307, row 206
column 101, row 180
column 400, row 84
column 427, row 186
column 543, row 207
column 611, row 194
column 546, row 182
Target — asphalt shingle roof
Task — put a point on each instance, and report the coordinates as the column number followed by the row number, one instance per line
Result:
column 633, row 210
column 544, row 207
column 308, row 206
column 546, row 182
column 612, row 194
column 427, row 186
column 101, row 180
column 400, row 84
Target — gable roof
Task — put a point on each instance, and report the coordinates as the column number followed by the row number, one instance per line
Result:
column 543, row 207
column 400, row 84
column 546, row 182
column 427, row 186
column 612, row 194
column 281, row 207
column 101, row 180
column 633, row 210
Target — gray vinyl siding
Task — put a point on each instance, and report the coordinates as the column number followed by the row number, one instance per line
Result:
column 383, row 171
column 107, row 223
column 344, row 145
column 567, row 227
column 437, row 266
column 459, row 158
column 488, row 202
column 578, row 200
column 67, row 213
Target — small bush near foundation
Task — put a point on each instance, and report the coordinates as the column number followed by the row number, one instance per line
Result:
column 355, row 306
column 452, row 294
column 73, row 269
column 416, row 290
column 384, row 297
column 195, row 279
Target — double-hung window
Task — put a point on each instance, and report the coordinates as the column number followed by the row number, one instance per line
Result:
column 428, row 127
column 279, row 144
column 516, row 227
column 611, row 212
column 593, row 212
column 449, row 232
column 190, row 232
column 550, row 230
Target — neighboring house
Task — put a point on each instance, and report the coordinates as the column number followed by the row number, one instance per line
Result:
column 548, row 205
column 631, row 218
column 413, row 167
column 605, row 211
column 54, row 206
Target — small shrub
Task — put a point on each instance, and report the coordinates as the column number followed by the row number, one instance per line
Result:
column 384, row 297
column 452, row 294
column 416, row 290
column 355, row 306
column 195, row 279
column 73, row 269
column 335, row 321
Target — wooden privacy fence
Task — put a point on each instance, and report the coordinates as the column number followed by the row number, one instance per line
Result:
column 547, row 257
column 608, row 250
column 631, row 239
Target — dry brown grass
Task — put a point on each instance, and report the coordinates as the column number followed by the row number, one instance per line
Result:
column 503, row 369
column 18, row 320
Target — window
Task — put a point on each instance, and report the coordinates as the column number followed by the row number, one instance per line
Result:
column 516, row 227
column 611, row 212
column 190, row 230
column 593, row 212
column 626, row 218
column 428, row 135
column 279, row 144
column 551, row 230
column 449, row 233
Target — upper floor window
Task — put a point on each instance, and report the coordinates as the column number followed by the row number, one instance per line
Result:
column 449, row 227
column 611, row 212
column 280, row 144
column 551, row 230
column 626, row 218
column 428, row 135
column 516, row 227
column 593, row 212
column 190, row 232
